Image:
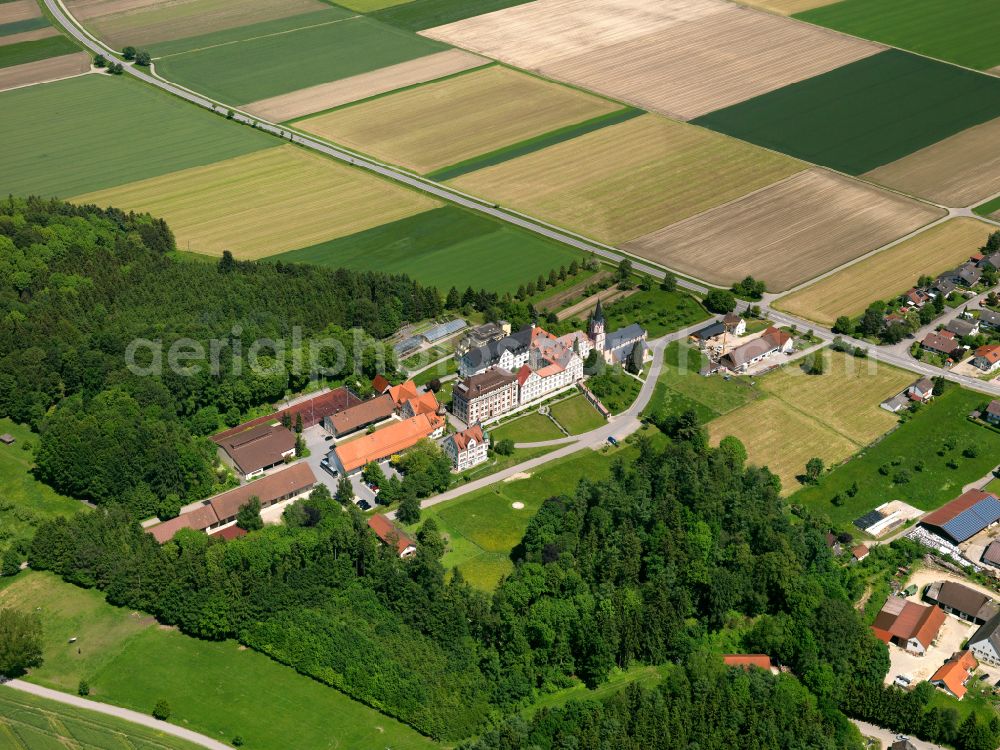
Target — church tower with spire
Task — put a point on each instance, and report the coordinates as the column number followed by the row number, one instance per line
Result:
column 595, row 329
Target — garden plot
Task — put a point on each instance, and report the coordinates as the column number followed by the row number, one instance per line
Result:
column 787, row 233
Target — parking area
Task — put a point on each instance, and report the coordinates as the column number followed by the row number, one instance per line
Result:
column 319, row 447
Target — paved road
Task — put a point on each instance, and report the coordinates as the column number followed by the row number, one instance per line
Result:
column 121, row 713
column 69, row 24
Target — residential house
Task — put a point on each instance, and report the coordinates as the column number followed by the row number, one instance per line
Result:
column 962, row 327
column 922, row 390
column 987, row 358
column 917, row 298
column 968, row 274
column 909, row 625
column 467, row 448
column 991, row 261
column 860, row 552
column 953, row 675
column 254, row 451
column 380, row 384
column 392, row 536
column 962, row 601
column 943, row 343
column 992, row 413
column 734, row 324
column 944, row 286
column 773, row 341
column 749, row 661
column 402, row 393
column 425, row 403
column 353, row 455
column 989, row 319
column 485, row 395
column 985, row 642
column 360, row 416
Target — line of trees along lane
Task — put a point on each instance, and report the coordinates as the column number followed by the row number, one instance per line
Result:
column 644, row 567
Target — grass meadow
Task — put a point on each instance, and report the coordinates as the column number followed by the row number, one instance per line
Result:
column 865, row 114
column 919, row 446
column 32, row 722
column 446, row 247
column 531, row 428
column 960, row 31
column 289, row 61
column 131, row 661
column 55, row 138
column 577, row 415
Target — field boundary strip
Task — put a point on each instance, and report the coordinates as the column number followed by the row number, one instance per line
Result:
column 255, row 38
column 531, row 145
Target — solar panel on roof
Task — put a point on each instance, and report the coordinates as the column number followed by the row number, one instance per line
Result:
column 868, row 519
column 974, row 519
column 988, row 509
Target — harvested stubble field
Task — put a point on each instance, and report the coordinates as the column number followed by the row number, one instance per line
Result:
column 390, row 78
column 866, row 114
column 294, row 60
column 140, row 24
column 50, row 69
column 890, row 272
column 787, row 7
column 629, row 179
column 682, row 59
column 787, row 233
column 442, row 123
column 960, row 31
column 797, row 419
column 958, row 171
column 265, row 203
column 54, row 139
column 19, row 10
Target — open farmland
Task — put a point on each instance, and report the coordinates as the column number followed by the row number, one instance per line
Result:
column 865, row 114
column 50, row 69
column 289, row 61
column 390, row 78
column 18, row 10
column 958, row 171
column 32, row 722
column 34, row 50
column 423, row 14
column 367, row 6
column 627, row 180
column 682, row 59
column 445, row 247
column 442, row 123
column 787, row 7
column 120, row 23
column 798, row 419
column 960, row 31
column 265, row 203
column 787, row 233
column 54, row 139
column 42, row 32
column 890, row 272
column 131, row 661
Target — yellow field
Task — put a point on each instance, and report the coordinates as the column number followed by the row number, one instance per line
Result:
column 265, row 203
column 443, row 123
column 830, row 416
column 788, row 7
column 630, row 179
column 893, row 271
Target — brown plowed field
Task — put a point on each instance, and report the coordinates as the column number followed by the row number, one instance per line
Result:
column 329, row 95
column 787, row 233
column 683, row 59
column 50, row 69
column 958, row 171
column 19, row 10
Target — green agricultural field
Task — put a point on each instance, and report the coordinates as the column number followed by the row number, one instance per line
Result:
column 961, row 31
column 657, row 311
column 865, row 114
column 287, row 62
column 445, row 247
column 418, row 15
column 24, row 501
column 681, row 387
column 577, row 415
column 920, row 449
column 55, row 138
column 40, row 49
column 32, row 722
column 131, row 661
column 531, row 428
column 989, row 208
column 16, row 27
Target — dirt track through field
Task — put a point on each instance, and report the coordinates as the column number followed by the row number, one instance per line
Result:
column 682, row 59
column 787, row 233
column 334, row 94
column 50, row 69
column 19, row 10
column 958, row 171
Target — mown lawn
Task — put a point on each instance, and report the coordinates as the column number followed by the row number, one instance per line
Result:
column 41, row 723
column 577, row 415
column 657, row 311
column 213, row 688
column 54, row 137
column 960, row 31
column 920, row 448
column 445, row 247
column 24, row 501
column 531, row 428
column 865, row 114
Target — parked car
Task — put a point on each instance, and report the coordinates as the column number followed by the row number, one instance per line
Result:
column 612, row 440
column 903, row 681
column 328, row 438
column 364, row 505
column 325, row 465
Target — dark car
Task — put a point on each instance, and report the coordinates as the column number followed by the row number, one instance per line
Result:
column 612, row 440
column 364, row 505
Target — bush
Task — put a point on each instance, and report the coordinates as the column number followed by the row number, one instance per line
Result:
column 161, row 710
column 83, row 688
column 237, row 741
column 503, row 447
column 720, row 301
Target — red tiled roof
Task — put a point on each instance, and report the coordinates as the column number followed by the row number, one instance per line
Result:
column 990, row 352
column 472, row 433
column 905, row 620
column 523, row 374
column 955, row 672
column 425, row 403
column 385, row 530
column 763, row 661
column 403, row 392
column 387, row 441
column 198, row 519
column 860, row 551
column 230, row 532
column 380, row 384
